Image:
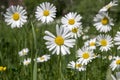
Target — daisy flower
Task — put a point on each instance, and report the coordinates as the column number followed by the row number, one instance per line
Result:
column 85, row 55
column 91, row 44
column 117, row 39
column 76, row 65
column 105, row 42
column 76, row 32
column 26, row 61
column 45, row 12
column 108, row 6
column 43, row 58
column 23, row 52
column 71, row 20
column 15, row 16
column 115, row 63
column 103, row 22
column 60, row 43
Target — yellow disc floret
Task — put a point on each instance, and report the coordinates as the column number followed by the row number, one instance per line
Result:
column 59, row 40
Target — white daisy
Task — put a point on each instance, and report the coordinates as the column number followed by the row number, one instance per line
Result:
column 26, row 61
column 117, row 39
column 60, row 43
column 76, row 65
column 91, row 44
column 115, row 63
column 71, row 20
column 76, row 32
column 105, row 42
column 103, row 22
column 45, row 12
column 23, row 52
column 108, row 6
column 15, row 16
column 43, row 58
column 85, row 55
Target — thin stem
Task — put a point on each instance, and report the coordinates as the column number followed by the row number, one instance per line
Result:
column 35, row 46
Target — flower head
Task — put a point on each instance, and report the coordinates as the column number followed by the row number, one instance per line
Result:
column 85, row 55
column 117, row 40
column 60, row 43
column 26, row 61
column 105, row 42
column 108, row 6
column 23, row 52
column 2, row 68
column 71, row 20
column 103, row 22
column 115, row 63
column 43, row 58
column 45, row 12
column 15, row 16
column 76, row 65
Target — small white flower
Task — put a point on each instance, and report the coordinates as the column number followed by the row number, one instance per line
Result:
column 105, row 42
column 26, row 61
column 85, row 55
column 23, row 52
column 103, row 22
column 15, row 16
column 76, row 65
column 91, row 44
column 43, row 58
column 71, row 20
column 108, row 6
column 45, row 12
column 85, row 37
column 115, row 63
column 117, row 39
column 76, row 32
column 60, row 43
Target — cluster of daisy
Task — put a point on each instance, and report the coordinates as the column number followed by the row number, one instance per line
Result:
column 27, row 61
column 67, row 33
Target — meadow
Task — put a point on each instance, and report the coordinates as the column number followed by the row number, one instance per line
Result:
column 32, row 36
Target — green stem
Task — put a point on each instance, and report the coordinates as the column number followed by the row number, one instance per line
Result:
column 35, row 46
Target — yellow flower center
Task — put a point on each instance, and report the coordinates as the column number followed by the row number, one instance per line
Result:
column 105, row 21
column 85, row 55
column 2, row 68
column 59, row 40
column 103, row 42
column 46, row 12
column 118, row 62
column 78, row 65
column 16, row 16
column 71, row 21
column 74, row 30
column 92, row 43
column 42, row 58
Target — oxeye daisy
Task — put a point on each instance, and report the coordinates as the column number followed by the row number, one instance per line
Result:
column 60, row 43
column 45, row 12
column 43, row 58
column 91, row 44
column 104, row 42
column 108, row 6
column 26, row 61
column 76, row 32
column 15, row 16
column 117, row 39
column 23, row 52
column 76, row 65
column 103, row 22
column 115, row 63
column 71, row 20
column 85, row 55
